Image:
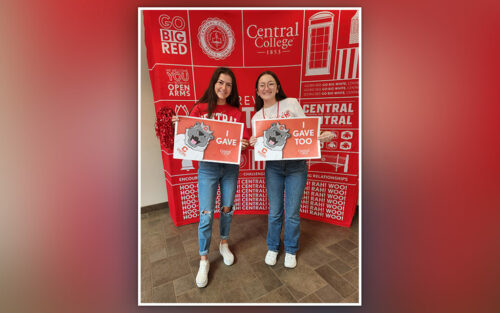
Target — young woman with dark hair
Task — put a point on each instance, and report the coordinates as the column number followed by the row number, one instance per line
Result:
column 285, row 179
column 220, row 101
column 214, row 94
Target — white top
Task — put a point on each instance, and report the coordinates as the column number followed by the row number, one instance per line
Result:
column 288, row 107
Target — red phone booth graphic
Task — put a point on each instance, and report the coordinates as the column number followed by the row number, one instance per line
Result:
column 319, row 43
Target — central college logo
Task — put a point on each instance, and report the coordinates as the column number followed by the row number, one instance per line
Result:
column 273, row 40
column 216, row 38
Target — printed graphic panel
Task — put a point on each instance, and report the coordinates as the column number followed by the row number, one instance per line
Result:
column 276, row 40
column 167, row 37
column 173, row 82
column 217, row 37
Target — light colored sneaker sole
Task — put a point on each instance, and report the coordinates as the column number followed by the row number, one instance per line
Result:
column 227, row 260
column 205, row 282
column 290, row 262
column 270, row 260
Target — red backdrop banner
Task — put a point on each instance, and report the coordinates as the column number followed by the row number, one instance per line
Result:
column 316, row 55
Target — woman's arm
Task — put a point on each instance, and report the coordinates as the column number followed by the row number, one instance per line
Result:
column 252, row 141
column 244, row 144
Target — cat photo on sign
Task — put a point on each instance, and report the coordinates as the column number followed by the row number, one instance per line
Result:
column 193, row 142
column 270, row 146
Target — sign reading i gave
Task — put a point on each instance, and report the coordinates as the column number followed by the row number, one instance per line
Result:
column 289, row 138
column 203, row 139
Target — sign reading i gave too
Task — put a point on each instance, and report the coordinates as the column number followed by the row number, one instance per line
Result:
column 290, row 138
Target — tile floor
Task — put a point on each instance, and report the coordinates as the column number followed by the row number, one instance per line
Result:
column 326, row 272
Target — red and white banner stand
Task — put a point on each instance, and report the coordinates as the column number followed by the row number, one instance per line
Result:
column 315, row 54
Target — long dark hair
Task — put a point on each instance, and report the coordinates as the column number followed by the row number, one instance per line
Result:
column 210, row 97
column 259, row 103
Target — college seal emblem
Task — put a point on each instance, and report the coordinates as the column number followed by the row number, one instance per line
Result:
column 216, row 38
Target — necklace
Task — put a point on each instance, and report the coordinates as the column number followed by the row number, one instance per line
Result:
column 277, row 111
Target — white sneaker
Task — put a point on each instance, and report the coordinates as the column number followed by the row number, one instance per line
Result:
column 226, row 254
column 271, row 257
column 202, row 276
column 290, row 260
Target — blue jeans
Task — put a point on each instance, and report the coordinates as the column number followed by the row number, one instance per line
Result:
column 210, row 175
column 288, row 178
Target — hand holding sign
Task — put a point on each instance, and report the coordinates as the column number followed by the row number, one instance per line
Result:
column 326, row 136
column 244, row 144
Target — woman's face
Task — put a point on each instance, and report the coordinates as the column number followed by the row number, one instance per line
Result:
column 267, row 88
column 223, row 86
